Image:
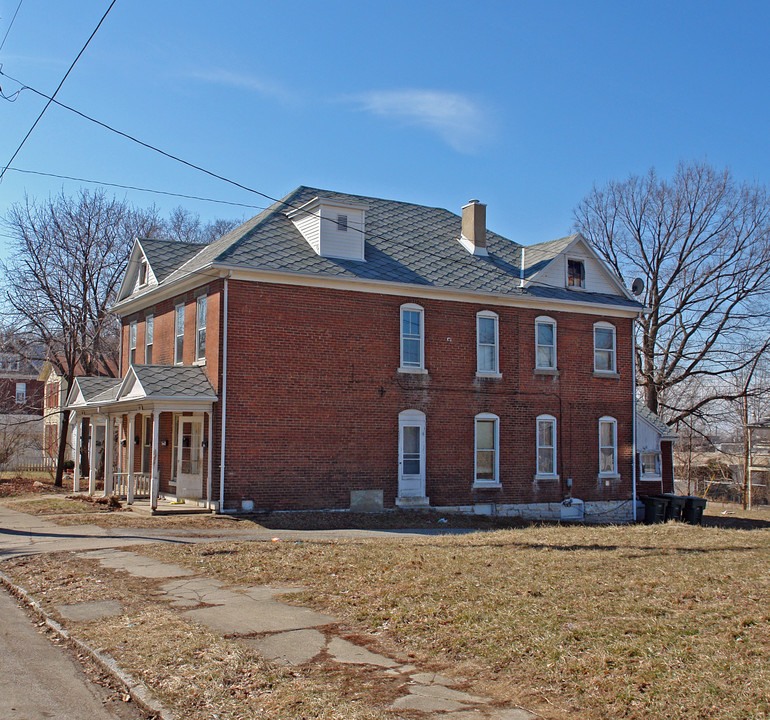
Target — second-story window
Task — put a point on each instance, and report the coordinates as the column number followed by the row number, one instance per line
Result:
column 178, row 334
column 200, row 328
column 604, row 347
column 149, row 329
column 545, row 343
column 486, row 343
column 132, row 343
column 412, row 337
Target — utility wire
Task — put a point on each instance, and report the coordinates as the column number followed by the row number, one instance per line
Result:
column 140, row 189
column 11, row 25
column 51, row 99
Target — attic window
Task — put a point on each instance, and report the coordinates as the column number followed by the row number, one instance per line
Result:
column 142, row 273
column 576, row 274
column 342, row 223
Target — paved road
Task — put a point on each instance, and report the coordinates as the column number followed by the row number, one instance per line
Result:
column 40, row 680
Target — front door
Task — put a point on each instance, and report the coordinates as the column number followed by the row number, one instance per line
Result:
column 411, row 455
column 189, row 459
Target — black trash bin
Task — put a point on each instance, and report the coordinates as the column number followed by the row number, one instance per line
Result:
column 676, row 506
column 693, row 509
column 654, row 509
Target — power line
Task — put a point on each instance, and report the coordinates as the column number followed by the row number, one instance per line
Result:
column 51, row 99
column 139, row 189
column 11, row 25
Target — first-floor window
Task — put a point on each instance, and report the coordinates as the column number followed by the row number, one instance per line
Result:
column 546, row 445
column 487, row 442
column 608, row 446
column 21, row 393
column 650, row 462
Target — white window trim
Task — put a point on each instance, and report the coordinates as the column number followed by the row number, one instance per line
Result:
column 614, row 474
column 545, row 320
column 566, row 273
column 132, row 332
column 148, row 320
column 657, row 476
column 21, row 397
column 178, row 360
column 543, row 475
column 487, row 483
column 402, row 368
column 144, row 270
column 607, row 326
column 488, row 373
column 200, row 359
column 412, row 418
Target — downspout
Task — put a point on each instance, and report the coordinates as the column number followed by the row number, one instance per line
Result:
column 633, row 418
column 223, row 425
column 521, row 270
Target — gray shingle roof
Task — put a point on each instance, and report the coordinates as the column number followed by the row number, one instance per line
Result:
column 93, row 388
column 168, row 381
column 405, row 243
column 165, row 256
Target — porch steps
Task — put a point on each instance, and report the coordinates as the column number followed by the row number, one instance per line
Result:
column 165, row 507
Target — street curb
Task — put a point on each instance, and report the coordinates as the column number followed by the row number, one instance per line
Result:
column 133, row 687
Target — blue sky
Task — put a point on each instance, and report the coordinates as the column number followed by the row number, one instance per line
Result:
column 522, row 105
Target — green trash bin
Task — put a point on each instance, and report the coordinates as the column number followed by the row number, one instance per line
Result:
column 676, row 506
column 654, row 509
column 693, row 509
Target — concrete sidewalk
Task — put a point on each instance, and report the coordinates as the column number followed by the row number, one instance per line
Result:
column 255, row 616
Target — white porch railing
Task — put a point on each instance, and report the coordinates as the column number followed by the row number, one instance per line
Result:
column 141, row 484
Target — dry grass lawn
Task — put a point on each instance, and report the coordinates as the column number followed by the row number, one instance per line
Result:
column 667, row 621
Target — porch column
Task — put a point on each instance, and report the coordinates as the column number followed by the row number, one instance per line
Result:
column 75, row 421
column 92, row 455
column 155, row 479
column 109, row 432
column 210, row 466
column 130, row 459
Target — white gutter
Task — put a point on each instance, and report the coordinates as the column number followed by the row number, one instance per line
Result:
column 223, row 427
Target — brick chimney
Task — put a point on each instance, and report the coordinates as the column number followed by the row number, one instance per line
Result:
column 474, row 230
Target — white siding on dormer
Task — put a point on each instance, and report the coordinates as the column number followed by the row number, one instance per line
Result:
column 317, row 222
column 310, row 227
column 647, row 438
column 597, row 280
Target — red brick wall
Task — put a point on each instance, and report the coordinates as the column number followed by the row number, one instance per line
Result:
column 667, row 465
column 34, row 402
column 314, row 396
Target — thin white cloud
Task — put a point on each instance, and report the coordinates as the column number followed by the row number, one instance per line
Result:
column 454, row 117
column 247, row 82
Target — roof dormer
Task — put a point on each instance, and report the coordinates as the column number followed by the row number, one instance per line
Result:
column 334, row 229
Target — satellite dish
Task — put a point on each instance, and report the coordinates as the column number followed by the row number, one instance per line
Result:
column 637, row 286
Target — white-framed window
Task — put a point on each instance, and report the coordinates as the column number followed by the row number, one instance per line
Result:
column 132, row 342
column 546, row 446
column 487, row 353
column 21, row 393
column 576, row 273
column 608, row 446
column 604, row 347
column 200, row 327
column 149, row 329
column 142, row 272
column 178, row 334
column 650, row 465
column 412, row 337
column 545, row 343
column 487, row 448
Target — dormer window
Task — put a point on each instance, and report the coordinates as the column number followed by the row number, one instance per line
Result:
column 342, row 223
column 334, row 228
column 576, row 274
column 142, row 272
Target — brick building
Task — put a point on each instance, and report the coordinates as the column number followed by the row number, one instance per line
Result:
column 343, row 351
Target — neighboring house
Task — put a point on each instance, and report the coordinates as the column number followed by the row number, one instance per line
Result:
column 55, row 393
column 21, row 407
column 655, row 452
column 340, row 351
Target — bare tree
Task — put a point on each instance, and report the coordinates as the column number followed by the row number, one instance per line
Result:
column 184, row 226
column 69, row 255
column 701, row 242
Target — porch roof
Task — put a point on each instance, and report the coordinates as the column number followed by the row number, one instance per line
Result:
column 148, row 384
